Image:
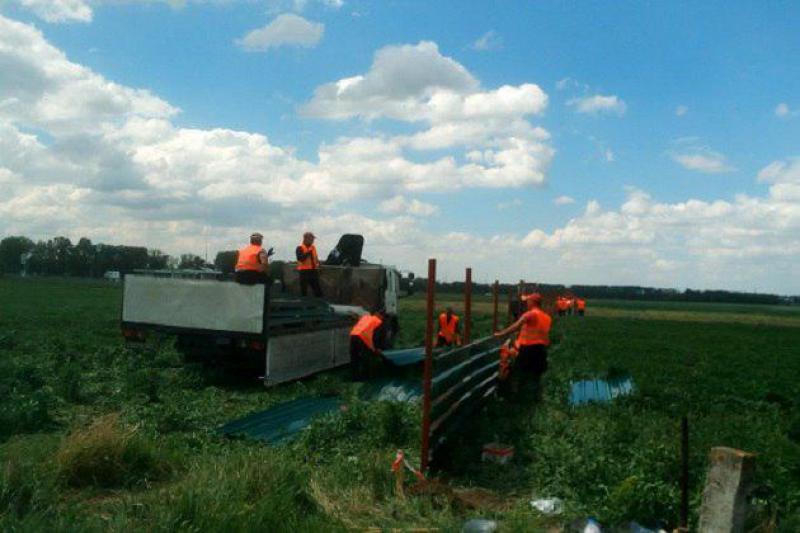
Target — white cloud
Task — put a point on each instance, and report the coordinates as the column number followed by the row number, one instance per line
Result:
column 488, row 41
column 681, row 110
column 400, row 205
column 783, row 110
column 417, row 84
column 598, row 104
column 400, row 83
column 705, row 161
column 564, row 200
column 609, row 155
column 286, row 29
column 55, row 11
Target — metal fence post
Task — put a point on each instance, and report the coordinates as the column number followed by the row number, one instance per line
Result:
column 684, row 473
column 426, row 380
column 468, row 307
column 495, row 297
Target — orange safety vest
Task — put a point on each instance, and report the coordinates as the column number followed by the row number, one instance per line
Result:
column 248, row 258
column 447, row 329
column 535, row 328
column 365, row 329
column 561, row 304
column 581, row 305
column 311, row 262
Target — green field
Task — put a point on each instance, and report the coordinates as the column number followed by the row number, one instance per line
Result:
column 94, row 436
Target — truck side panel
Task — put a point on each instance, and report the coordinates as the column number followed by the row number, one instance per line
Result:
column 297, row 355
column 193, row 304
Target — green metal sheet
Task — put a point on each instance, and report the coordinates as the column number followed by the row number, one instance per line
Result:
column 282, row 422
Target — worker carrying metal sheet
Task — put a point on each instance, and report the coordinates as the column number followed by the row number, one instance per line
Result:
column 308, row 265
column 365, row 338
column 252, row 262
column 449, row 329
column 532, row 341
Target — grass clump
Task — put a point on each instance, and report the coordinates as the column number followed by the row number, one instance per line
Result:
column 107, row 454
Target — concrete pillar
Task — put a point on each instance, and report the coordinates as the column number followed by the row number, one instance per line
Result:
column 724, row 507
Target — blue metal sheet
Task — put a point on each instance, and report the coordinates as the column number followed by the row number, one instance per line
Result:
column 599, row 390
column 408, row 356
column 283, row 422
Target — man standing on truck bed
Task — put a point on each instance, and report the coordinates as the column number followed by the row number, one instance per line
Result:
column 252, row 263
column 308, row 265
column 365, row 337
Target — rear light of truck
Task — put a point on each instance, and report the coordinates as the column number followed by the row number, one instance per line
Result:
column 256, row 345
column 133, row 334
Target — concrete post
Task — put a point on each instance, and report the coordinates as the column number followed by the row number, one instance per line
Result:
column 729, row 478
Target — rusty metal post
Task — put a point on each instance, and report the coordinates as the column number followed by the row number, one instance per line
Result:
column 509, row 317
column 684, row 473
column 468, row 307
column 428, row 372
column 495, row 298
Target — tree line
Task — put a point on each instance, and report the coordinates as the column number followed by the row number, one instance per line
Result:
column 617, row 292
column 59, row 256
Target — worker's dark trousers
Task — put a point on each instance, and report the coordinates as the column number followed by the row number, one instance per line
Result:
column 441, row 341
column 362, row 360
column 530, row 365
column 310, row 278
column 580, row 312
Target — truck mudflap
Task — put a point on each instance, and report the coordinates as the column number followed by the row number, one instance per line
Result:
column 297, row 355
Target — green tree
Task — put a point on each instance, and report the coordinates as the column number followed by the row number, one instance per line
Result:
column 191, row 262
column 11, row 251
column 225, row 261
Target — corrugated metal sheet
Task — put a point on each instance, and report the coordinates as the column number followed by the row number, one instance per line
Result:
column 408, row 356
column 283, row 422
column 599, row 390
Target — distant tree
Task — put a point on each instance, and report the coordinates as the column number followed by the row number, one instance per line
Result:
column 225, row 261
column 157, row 260
column 61, row 250
column 191, row 261
column 81, row 261
column 11, row 250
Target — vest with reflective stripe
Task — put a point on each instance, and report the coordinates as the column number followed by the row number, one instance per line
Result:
column 310, row 262
column 535, row 328
column 365, row 329
column 447, row 329
column 248, row 258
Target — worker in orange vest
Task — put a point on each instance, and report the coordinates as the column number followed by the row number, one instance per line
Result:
column 532, row 341
column 252, row 262
column 308, row 265
column 449, row 329
column 580, row 303
column 561, row 305
column 365, row 338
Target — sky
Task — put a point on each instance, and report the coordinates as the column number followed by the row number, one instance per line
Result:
column 636, row 143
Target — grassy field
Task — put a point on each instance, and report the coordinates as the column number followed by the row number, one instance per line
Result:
column 97, row 437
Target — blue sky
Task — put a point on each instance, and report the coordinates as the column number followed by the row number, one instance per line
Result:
column 668, row 158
